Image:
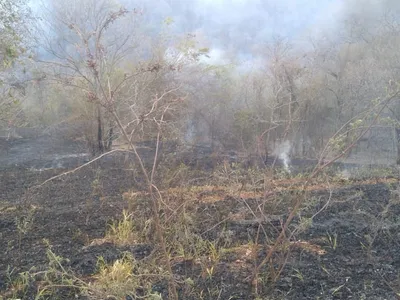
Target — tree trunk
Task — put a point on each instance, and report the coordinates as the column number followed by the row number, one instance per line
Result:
column 397, row 130
column 100, row 144
column 110, row 138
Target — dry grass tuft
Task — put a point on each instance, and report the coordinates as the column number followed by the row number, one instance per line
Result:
column 122, row 232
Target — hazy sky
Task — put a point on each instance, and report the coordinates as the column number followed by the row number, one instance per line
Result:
column 253, row 16
column 235, row 27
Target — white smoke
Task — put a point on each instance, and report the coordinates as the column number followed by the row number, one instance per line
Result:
column 283, row 151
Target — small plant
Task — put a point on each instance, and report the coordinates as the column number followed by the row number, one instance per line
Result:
column 214, row 252
column 298, row 275
column 210, row 272
column 116, row 279
column 332, row 240
column 304, row 224
column 97, row 188
column 80, row 237
column 336, row 290
column 325, row 270
column 50, row 282
column 18, row 286
column 126, row 278
column 24, row 223
column 213, row 258
column 122, row 232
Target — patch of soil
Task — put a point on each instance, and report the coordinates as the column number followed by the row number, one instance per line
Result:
column 43, row 152
column 349, row 250
column 360, row 234
column 65, row 212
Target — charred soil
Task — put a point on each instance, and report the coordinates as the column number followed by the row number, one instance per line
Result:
column 343, row 244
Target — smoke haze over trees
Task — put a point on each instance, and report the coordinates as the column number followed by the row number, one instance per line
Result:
column 212, row 126
column 251, row 74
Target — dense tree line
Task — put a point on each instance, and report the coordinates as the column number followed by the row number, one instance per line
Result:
column 94, row 60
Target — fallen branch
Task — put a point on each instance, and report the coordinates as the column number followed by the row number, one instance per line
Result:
column 80, row 167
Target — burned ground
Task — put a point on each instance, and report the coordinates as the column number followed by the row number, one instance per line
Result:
column 347, row 249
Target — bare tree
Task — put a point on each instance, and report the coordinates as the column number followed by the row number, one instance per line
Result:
column 88, row 56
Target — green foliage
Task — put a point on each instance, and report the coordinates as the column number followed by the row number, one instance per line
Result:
column 125, row 277
column 189, row 46
column 13, row 17
column 10, row 105
column 244, row 119
column 168, row 21
column 117, row 279
column 122, row 232
column 245, row 126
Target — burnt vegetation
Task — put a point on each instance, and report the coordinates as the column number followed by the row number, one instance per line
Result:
column 139, row 159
